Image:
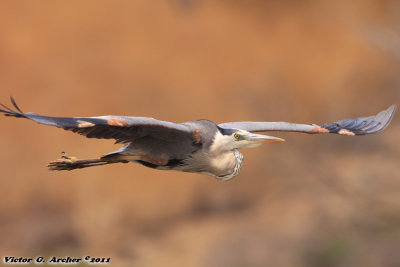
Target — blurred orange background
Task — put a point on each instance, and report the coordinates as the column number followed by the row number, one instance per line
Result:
column 311, row 201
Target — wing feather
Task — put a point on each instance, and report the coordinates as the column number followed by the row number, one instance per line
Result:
column 121, row 128
column 358, row 126
column 363, row 125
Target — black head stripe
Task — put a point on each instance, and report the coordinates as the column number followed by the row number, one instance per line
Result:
column 226, row 131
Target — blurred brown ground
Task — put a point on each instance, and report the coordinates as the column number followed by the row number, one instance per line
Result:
column 311, row 201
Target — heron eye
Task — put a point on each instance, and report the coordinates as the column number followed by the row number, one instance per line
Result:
column 237, row 136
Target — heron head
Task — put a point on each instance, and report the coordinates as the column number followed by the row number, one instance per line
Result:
column 244, row 139
column 235, row 138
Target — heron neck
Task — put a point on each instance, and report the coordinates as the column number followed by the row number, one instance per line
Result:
column 229, row 164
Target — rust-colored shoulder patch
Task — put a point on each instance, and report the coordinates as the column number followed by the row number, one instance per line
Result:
column 197, row 136
column 318, row 129
column 116, row 122
column 85, row 124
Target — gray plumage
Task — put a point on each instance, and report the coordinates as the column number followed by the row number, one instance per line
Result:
column 198, row 146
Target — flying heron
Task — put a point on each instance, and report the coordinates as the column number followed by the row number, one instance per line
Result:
column 197, row 146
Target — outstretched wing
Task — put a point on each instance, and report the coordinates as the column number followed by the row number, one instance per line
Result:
column 121, row 128
column 359, row 126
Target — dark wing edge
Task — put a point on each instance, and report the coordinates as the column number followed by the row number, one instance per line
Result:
column 358, row 126
column 120, row 128
column 363, row 125
column 9, row 112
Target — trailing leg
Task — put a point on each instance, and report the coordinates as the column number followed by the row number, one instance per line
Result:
column 70, row 163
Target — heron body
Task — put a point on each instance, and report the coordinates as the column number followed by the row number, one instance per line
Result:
column 199, row 146
column 206, row 152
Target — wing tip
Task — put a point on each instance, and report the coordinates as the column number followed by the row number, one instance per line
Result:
column 15, row 104
column 391, row 110
column 380, row 121
column 10, row 112
column 387, row 117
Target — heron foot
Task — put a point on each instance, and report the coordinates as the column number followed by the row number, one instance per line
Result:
column 67, row 162
column 66, row 157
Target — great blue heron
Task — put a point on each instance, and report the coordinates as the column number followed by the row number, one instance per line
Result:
column 197, row 146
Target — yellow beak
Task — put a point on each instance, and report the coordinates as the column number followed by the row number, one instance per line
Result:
column 259, row 138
